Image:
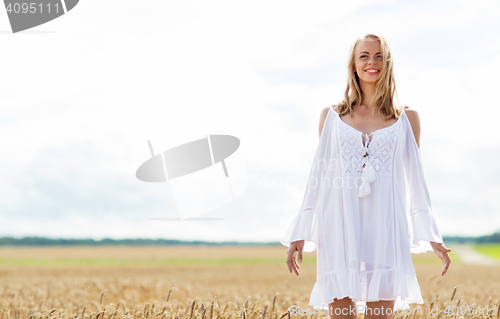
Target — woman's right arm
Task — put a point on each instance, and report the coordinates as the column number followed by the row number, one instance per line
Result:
column 297, row 247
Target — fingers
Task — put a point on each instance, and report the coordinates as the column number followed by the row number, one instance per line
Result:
column 292, row 263
column 288, row 260
column 442, row 252
column 446, row 262
column 445, row 269
column 295, row 247
column 295, row 263
column 440, row 246
column 291, row 266
column 294, row 267
column 288, row 264
column 446, row 248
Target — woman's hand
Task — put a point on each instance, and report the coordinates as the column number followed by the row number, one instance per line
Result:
column 295, row 247
column 442, row 252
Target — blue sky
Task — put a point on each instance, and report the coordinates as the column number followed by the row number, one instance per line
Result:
column 82, row 94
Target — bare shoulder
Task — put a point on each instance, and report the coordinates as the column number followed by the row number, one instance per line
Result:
column 322, row 117
column 414, row 119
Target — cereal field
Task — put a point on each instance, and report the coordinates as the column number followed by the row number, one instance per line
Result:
column 203, row 282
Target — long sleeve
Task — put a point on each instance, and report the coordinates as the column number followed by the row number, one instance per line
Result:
column 423, row 228
column 304, row 225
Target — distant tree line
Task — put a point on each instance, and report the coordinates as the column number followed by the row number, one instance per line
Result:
column 493, row 238
column 43, row 241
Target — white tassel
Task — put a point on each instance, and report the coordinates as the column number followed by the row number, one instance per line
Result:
column 364, row 189
column 367, row 176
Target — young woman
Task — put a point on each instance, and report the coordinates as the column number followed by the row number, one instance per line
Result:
column 354, row 208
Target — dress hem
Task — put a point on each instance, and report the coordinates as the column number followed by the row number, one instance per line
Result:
column 386, row 284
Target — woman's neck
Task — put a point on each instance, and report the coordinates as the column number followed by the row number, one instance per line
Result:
column 368, row 92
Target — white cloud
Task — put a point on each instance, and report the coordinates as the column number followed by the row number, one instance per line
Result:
column 79, row 104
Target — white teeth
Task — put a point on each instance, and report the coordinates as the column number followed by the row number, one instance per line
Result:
column 372, row 71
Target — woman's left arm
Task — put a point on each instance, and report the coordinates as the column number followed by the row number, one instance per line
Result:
column 439, row 248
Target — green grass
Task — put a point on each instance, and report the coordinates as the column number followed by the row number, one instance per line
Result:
column 41, row 262
column 492, row 250
column 215, row 260
column 142, row 262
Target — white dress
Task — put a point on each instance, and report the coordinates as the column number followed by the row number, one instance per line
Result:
column 359, row 222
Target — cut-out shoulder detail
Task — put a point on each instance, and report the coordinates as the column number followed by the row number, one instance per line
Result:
column 322, row 119
column 414, row 120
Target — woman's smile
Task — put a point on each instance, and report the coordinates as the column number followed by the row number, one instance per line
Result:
column 372, row 71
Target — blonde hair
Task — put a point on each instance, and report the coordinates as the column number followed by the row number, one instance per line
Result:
column 385, row 86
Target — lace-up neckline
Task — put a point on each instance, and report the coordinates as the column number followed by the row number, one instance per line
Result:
column 365, row 135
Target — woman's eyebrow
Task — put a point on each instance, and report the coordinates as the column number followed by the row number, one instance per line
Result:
column 368, row 52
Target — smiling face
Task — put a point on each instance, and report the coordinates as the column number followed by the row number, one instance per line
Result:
column 368, row 60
